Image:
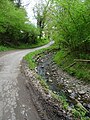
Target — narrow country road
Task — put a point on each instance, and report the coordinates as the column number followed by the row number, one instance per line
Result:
column 15, row 101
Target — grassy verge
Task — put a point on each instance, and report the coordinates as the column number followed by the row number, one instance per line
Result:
column 67, row 62
column 29, row 57
column 4, row 48
column 30, row 60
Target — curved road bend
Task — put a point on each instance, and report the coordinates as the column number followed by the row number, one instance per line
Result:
column 15, row 102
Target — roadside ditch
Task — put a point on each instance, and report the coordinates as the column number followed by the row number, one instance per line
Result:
column 74, row 94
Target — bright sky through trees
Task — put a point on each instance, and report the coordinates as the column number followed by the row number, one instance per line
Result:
column 29, row 4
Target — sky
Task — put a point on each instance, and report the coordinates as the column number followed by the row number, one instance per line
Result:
column 29, row 9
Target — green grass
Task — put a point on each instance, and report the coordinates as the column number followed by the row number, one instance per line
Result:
column 80, row 69
column 5, row 48
column 29, row 57
column 30, row 60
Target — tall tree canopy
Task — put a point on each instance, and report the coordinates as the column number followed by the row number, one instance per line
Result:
column 14, row 24
column 41, row 14
column 70, row 24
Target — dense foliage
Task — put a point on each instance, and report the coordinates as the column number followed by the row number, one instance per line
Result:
column 71, row 24
column 15, row 28
column 41, row 13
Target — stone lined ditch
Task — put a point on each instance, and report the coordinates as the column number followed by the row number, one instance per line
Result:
column 76, row 92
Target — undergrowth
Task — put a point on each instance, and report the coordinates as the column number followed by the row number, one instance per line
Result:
column 67, row 62
column 5, row 48
column 24, row 46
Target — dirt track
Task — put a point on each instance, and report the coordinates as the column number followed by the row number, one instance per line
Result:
column 15, row 100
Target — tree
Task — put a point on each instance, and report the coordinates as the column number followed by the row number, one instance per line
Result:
column 14, row 25
column 71, row 23
column 40, row 13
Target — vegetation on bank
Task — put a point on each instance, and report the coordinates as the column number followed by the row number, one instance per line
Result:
column 24, row 46
column 4, row 48
column 68, row 23
column 69, row 26
column 30, row 58
column 65, row 21
column 73, row 65
column 16, row 30
column 78, row 111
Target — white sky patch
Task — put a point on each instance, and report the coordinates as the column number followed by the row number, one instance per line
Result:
column 29, row 5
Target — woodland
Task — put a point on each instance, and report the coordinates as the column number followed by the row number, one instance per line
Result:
column 67, row 22
column 15, row 27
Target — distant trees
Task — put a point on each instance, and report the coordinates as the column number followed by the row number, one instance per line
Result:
column 41, row 13
column 14, row 25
